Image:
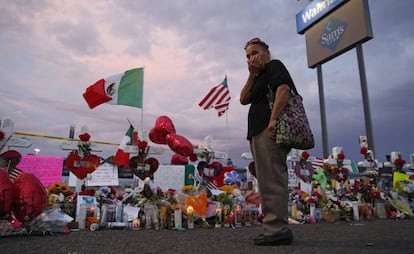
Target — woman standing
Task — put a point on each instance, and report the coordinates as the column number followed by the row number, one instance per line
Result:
column 267, row 75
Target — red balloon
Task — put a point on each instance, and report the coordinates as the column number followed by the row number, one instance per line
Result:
column 163, row 127
column 6, row 194
column 30, row 197
column 177, row 159
column 10, row 158
column 179, row 144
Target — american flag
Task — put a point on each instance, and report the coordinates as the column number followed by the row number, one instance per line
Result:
column 218, row 98
column 14, row 173
column 211, row 185
column 317, row 162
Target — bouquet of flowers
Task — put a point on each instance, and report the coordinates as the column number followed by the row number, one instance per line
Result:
column 59, row 193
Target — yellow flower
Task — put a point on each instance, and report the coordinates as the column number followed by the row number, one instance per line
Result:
column 188, row 188
column 52, row 200
column 229, row 188
column 58, row 187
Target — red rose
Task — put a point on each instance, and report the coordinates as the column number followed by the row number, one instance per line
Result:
column 87, row 192
column 399, row 161
column 113, row 191
column 341, row 156
column 304, row 155
column 364, row 150
column 84, row 137
column 142, row 144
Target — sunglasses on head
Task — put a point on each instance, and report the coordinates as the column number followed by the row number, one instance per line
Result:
column 256, row 41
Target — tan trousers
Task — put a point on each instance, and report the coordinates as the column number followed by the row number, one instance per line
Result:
column 272, row 177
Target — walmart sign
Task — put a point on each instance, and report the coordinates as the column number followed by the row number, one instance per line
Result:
column 314, row 12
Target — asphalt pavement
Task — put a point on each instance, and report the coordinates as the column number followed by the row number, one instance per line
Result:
column 378, row 236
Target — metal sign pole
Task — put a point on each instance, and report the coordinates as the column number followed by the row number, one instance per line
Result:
column 365, row 98
column 325, row 143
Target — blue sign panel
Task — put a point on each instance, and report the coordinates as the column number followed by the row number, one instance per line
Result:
column 332, row 34
column 315, row 11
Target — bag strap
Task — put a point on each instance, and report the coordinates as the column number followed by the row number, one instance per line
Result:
column 270, row 97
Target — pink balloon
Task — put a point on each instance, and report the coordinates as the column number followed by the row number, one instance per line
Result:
column 6, row 194
column 30, row 197
column 179, row 144
column 163, row 127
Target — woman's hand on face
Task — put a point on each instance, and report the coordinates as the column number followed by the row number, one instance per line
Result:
column 256, row 63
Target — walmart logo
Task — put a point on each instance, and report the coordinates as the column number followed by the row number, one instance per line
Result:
column 332, row 34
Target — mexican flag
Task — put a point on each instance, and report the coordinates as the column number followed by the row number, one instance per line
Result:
column 121, row 89
column 121, row 157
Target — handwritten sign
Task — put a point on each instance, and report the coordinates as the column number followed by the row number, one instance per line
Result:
column 170, row 176
column 48, row 169
column 105, row 175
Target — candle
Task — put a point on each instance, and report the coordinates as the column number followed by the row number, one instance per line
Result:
column 190, row 218
column 136, row 223
column 294, row 211
column 82, row 216
column 218, row 216
column 178, row 223
column 237, row 216
column 355, row 208
column 226, row 214
column 163, row 217
column 247, row 216
column 312, row 208
column 91, row 211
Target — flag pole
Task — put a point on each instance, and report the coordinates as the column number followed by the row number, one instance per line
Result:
column 227, row 133
column 142, row 107
column 227, row 126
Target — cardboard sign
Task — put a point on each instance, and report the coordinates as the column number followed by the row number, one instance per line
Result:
column 170, row 177
column 48, row 169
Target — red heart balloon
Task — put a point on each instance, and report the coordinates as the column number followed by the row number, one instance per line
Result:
column 163, row 127
column 30, row 197
column 157, row 136
column 6, row 194
column 10, row 159
column 81, row 167
column 177, row 159
column 179, row 144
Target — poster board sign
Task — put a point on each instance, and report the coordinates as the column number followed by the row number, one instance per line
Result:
column 170, row 177
column 48, row 169
column 105, row 175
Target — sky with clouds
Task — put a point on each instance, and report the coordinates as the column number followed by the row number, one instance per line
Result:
column 51, row 51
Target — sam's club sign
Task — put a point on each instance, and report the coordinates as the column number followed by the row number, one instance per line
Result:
column 332, row 34
column 314, row 12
